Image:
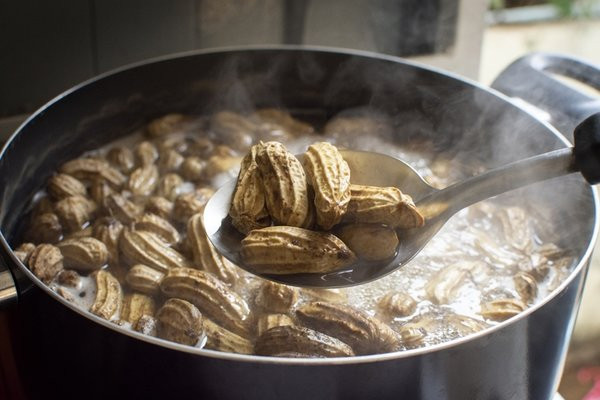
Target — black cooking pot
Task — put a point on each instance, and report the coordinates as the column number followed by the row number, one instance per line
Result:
column 64, row 351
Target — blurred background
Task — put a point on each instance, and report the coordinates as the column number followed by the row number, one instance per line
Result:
column 514, row 28
column 48, row 47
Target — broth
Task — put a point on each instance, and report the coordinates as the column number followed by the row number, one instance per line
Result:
column 489, row 262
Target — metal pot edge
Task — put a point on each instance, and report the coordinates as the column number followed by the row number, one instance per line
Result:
column 22, row 269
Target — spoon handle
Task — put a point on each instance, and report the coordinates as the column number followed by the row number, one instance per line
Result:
column 497, row 181
column 587, row 148
column 583, row 157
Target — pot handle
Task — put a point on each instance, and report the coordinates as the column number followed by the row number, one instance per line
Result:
column 8, row 290
column 533, row 79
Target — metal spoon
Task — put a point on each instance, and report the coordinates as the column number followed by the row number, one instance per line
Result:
column 437, row 206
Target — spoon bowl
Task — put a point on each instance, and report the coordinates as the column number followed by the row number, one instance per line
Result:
column 366, row 168
column 436, row 206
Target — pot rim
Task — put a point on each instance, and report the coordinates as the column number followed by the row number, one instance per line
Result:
column 583, row 261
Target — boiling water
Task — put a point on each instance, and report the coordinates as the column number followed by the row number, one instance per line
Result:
column 470, row 262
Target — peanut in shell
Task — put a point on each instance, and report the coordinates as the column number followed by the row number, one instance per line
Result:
column 370, row 242
column 329, row 176
column 179, row 321
column 212, row 297
column 206, row 257
column 292, row 250
column 303, row 342
column 382, row 205
column 248, row 208
column 109, row 295
column 284, row 183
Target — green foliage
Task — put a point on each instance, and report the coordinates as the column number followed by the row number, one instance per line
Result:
column 564, row 7
column 496, row 4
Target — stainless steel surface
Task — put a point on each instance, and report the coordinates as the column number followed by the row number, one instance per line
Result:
column 376, row 169
column 8, row 291
column 564, row 105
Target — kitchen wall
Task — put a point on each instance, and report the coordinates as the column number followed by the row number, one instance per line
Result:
column 49, row 46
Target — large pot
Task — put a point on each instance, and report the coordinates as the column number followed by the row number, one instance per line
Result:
column 63, row 351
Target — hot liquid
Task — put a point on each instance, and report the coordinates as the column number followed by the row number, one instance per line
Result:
column 474, row 260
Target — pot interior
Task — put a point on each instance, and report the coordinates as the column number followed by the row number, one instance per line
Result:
column 459, row 120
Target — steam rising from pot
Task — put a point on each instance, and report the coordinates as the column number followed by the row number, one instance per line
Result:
column 464, row 125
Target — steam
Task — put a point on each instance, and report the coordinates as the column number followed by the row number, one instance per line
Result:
column 468, row 129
